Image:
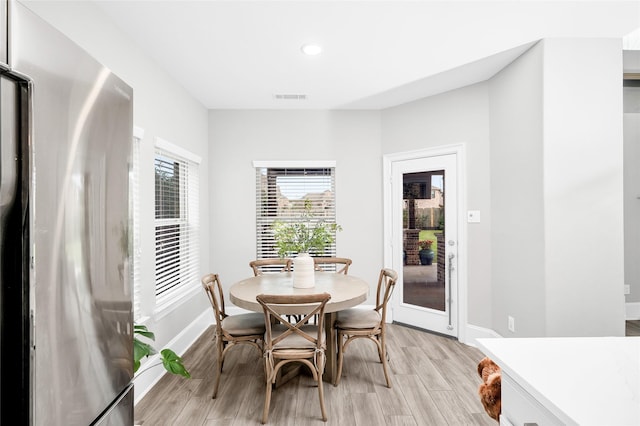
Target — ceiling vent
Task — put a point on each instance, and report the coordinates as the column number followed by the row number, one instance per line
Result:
column 290, row 97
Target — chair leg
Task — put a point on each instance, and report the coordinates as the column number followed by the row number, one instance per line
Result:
column 321, row 395
column 267, row 402
column 383, row 358
column 219, row 363
column 216, row 384
column 269, row 375
column 336, row 379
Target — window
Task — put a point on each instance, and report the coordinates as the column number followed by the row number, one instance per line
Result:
column 281, row 191
column 176, row 221
column 134, row 209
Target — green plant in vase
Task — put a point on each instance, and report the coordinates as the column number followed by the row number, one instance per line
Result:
column 302, row 238
column 305, row 235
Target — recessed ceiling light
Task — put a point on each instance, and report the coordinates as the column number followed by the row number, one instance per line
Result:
column 311, row 49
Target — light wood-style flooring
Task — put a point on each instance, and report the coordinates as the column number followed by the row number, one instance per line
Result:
column 435, row 382
column 632, row 327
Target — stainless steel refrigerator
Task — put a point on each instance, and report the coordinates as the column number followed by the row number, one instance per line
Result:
column 66, row 298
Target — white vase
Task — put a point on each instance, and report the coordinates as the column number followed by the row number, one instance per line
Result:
column 303, row 271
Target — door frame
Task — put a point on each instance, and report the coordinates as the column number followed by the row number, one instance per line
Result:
column 388, row 239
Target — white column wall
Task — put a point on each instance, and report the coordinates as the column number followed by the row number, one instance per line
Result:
column 583, row 187
column 556, row 164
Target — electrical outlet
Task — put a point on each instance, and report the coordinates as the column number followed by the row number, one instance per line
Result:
column 512, row 324
column 627, row 289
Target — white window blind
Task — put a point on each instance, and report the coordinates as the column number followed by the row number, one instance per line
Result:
column 134, row 208
column 280, row 195
column 176, row 222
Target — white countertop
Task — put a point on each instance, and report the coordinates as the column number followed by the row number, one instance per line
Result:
column 581, row 380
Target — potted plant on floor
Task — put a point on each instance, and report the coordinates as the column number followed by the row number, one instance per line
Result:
column 426, row 254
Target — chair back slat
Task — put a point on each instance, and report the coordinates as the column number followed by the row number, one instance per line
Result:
column 339, row 265
column 276, row 264
column 386, row 284
column 213, row 288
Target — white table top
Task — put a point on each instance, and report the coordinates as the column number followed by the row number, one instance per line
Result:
column 346, row 290
column 581, row 380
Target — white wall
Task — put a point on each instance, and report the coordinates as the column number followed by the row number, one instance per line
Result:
column 163, row 109
column 351, row 138
column 517, row 200
column 459, row 116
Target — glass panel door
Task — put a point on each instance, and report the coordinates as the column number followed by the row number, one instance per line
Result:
column 424, row 211
column 424, row 239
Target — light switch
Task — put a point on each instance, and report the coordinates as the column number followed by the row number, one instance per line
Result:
column 473, row 216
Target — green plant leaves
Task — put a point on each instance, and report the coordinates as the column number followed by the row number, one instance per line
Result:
column 143, row 331
column 171, row 362
column 141, row 350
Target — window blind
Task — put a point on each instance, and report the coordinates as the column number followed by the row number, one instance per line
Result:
column 281, row 193
column 176, row 223
column 134, row 208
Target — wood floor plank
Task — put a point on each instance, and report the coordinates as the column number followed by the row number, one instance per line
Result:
column 425, row 369
column 284, row 401
column 451, row 408
column 465, row 382
column 358, row 355
column 422, row 406
column 220, row 422
column 339, row 404
column 366, row 409
column 392, row 401
column 401, row 421
column 194, row 411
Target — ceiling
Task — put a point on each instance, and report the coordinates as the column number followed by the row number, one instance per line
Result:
column 235, row 54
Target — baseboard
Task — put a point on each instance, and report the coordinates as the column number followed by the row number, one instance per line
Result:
column 145, row 379
column 632, row 311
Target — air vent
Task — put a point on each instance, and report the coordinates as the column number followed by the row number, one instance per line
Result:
column 290, row 96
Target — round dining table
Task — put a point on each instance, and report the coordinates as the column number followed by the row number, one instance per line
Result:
column 346, row 292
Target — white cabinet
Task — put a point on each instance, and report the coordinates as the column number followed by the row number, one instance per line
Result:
column 568, row 381
column 520, row 408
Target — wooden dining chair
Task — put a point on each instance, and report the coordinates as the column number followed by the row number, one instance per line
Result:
column 276, row 264
column 298, row 342
column 341, row 264
column 355, row 323
column 230, row 329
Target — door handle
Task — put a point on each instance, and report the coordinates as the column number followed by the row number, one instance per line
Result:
column 449, row 300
